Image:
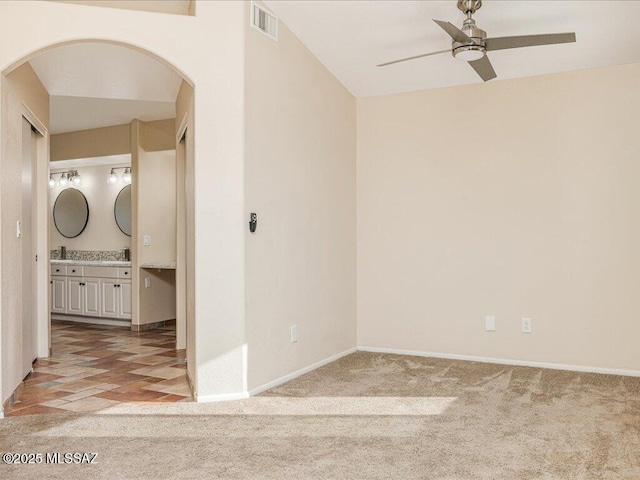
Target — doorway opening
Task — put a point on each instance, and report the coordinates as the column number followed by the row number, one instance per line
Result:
column 109, row 220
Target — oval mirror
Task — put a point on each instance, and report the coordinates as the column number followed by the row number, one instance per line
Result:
column 71, row 213
column 122, row 210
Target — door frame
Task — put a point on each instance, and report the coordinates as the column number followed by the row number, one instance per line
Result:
column 40, row 193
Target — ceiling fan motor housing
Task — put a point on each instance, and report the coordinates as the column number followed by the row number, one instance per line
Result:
column 474, row 50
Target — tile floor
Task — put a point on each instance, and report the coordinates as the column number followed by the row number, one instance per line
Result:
column 94, row 367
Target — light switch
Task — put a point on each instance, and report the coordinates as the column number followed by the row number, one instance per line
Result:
column 18, row 229
column 146, row 240
column 147, row 282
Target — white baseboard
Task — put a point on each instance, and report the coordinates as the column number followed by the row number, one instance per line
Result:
column 506, row 361
column 302, row 371
column 91, row 320
column 223, row 397
column 192, row 386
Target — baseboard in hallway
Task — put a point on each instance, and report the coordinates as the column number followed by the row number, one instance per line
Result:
column 151, row 326
column 505, row 361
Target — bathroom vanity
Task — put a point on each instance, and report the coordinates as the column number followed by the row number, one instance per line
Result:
column 91, row 289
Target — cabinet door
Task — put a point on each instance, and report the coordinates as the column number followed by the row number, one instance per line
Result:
column 124, row 292
column 109, row 291
column 58, row 294
column 74, row 296
column 91, row 292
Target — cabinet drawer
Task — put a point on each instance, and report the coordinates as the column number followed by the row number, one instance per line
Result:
column 101, row 272
column 59, row 270
column 75, row 271
column 124, row 272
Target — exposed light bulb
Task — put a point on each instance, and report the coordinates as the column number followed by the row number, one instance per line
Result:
column 126, row 176
column 63, row 180
column 76, row 178
column 52, row 182
column 113, row 178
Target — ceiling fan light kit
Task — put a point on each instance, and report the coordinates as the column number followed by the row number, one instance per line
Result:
column 471, row 44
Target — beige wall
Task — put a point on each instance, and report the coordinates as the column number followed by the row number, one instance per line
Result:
column 514, row 198
column 21, row 87
column 101, row 232
column 156, row 177
column 114, row 140
column 95, row 142
column 300, row 180
column 158, row 302
column 159, row 135
column 217, row 31
column 154, row 214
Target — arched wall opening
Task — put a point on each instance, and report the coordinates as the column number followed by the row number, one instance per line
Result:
column 23, row 97
column 208, row 49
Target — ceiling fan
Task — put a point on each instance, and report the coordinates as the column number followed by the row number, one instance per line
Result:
column 471, row 43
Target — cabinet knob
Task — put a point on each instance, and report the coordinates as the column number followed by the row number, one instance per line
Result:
column 57, row 269
column 73, row 271
column 126, row 273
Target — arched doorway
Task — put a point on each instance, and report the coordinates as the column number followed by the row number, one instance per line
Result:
column 145, row 272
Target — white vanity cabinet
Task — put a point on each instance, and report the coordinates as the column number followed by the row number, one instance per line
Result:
column 124, row 298
column 116, row 298
column 59, row 294
column 91, row 291
column 83, row 296
column 75, row 296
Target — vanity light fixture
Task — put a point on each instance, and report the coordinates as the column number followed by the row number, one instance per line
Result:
column 67, row 177
column 125, row 178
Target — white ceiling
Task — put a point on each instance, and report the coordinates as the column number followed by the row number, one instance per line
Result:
column 70, row 114
column 351, row 37
column 95, row 85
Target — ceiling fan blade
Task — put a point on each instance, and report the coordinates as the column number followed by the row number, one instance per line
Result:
column 413, row 58
column 483, row 68
column 454, row 32
column 503, row 43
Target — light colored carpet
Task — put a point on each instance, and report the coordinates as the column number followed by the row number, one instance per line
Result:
column 365, row 416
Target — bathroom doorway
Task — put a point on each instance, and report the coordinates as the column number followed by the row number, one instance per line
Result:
column 113, row 287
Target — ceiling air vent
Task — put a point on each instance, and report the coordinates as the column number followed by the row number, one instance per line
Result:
column 264, row 21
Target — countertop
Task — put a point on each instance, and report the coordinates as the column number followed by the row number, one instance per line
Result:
column 92, row 263
column 160, row 266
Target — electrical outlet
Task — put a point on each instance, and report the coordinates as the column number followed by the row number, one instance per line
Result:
column 294, row 334
column 490, row 323
column 146, row 240
column 147, row 282
column 526, row 325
